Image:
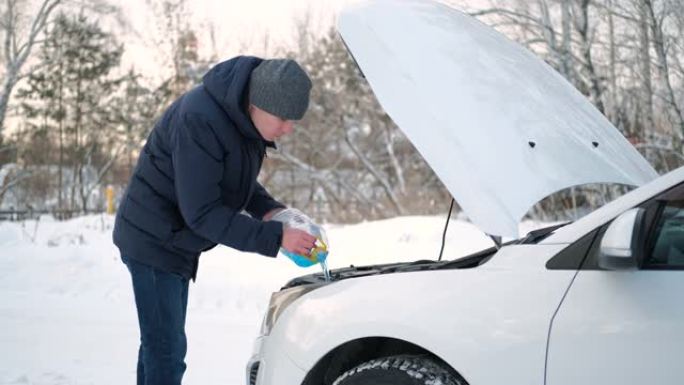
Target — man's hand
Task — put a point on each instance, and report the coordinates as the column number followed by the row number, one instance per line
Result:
column 298, row 241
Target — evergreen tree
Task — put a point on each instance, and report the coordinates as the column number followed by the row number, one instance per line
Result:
column 70, row 98
column 136, row 108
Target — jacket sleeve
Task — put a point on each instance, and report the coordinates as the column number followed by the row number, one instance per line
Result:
column 198, row 169
column 261, row 202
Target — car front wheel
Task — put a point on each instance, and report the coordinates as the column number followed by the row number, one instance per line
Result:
column 399, row 370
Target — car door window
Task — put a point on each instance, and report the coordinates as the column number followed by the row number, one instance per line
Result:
column 667, row 249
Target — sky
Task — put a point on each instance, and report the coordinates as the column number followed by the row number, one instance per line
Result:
column 239, row 27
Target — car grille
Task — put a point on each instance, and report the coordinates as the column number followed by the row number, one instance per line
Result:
column 253, row 372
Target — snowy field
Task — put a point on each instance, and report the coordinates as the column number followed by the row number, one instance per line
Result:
column 67, row 314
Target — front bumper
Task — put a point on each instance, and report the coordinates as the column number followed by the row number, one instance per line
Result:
column 272, row 366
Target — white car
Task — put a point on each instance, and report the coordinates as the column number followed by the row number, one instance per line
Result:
column 597, row 301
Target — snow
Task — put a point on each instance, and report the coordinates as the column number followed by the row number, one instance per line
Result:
column 67, row 314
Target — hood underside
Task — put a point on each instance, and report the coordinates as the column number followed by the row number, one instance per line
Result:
column 500, row 127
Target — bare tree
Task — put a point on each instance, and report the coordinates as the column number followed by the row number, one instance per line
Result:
column 18, row 44
column 613, row 104
column 645, row 63
column 19, row 36
column 656, row 23
column 566, row 42
column 370, row 167
column 585, row 33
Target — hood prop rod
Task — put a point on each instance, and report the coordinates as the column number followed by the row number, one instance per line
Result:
column 495, row 238
column 441, row 250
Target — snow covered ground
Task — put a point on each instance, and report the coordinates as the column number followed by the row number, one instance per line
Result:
column 67, row 314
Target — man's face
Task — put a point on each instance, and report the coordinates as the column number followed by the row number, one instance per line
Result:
column 269, row 126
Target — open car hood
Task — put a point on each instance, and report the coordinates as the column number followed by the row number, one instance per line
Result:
column 500, row 128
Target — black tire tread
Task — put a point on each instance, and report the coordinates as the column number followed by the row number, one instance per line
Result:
column 421, row 368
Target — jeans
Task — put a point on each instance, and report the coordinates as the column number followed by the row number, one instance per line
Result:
column 161, row 299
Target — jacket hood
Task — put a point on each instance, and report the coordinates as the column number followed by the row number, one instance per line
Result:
column 499, row 127
column 227, row 82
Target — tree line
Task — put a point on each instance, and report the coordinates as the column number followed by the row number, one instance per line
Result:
column 73, row 119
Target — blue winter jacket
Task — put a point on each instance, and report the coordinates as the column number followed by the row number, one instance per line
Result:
column 195, row 175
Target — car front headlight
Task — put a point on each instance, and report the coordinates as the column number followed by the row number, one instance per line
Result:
column 279, row 302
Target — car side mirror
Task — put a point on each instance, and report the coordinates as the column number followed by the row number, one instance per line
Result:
column 619, row 247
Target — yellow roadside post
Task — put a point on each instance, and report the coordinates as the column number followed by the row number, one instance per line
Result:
column 109, row 193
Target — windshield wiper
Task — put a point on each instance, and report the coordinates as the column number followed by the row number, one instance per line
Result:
column 538, row 235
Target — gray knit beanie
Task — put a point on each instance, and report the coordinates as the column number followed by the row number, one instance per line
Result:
column 280, row 87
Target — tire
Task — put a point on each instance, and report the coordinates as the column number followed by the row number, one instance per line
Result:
column 399, row 370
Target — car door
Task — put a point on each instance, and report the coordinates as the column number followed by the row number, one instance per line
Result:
column 626, row 327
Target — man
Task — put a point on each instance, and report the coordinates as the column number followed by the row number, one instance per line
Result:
column 195, row 175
